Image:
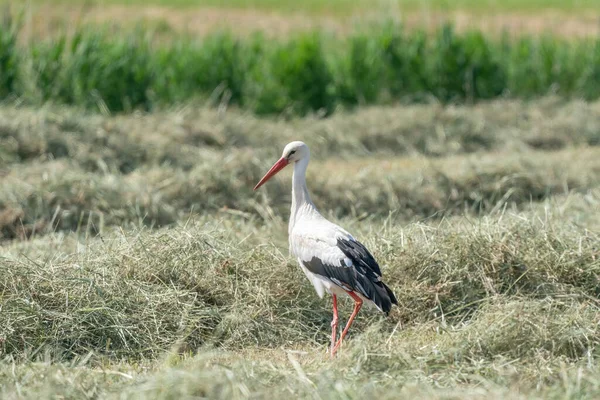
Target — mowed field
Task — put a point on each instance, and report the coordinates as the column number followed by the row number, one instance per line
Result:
column 136, row 262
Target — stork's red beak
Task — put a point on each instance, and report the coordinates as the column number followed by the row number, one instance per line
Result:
column 278, row 166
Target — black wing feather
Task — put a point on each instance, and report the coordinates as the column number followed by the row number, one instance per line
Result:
column 364, row 276
column 359, row 255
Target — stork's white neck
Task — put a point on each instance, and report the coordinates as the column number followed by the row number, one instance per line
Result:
column 301, row 203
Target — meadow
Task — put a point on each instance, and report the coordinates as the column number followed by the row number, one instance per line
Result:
column 136, row 261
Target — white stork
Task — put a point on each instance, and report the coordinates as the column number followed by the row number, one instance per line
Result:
column 331, row 258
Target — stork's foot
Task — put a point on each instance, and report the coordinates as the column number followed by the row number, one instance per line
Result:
column 336, row 348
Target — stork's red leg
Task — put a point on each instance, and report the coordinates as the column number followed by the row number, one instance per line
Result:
column 357, row 305
column 334, row 324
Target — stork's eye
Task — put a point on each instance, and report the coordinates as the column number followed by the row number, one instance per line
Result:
column 291, row 152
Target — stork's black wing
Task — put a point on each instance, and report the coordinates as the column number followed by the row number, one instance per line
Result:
column 357, row 272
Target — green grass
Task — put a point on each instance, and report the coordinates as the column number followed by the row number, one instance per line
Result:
column 348, row 6
column 306, row 73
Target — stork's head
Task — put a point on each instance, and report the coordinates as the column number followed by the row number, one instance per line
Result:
column 292, row 153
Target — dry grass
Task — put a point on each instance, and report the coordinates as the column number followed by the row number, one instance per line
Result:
column 484, row 219
column 64, row 170
column 487, row 306
column 176, row 136
column 42, row 198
